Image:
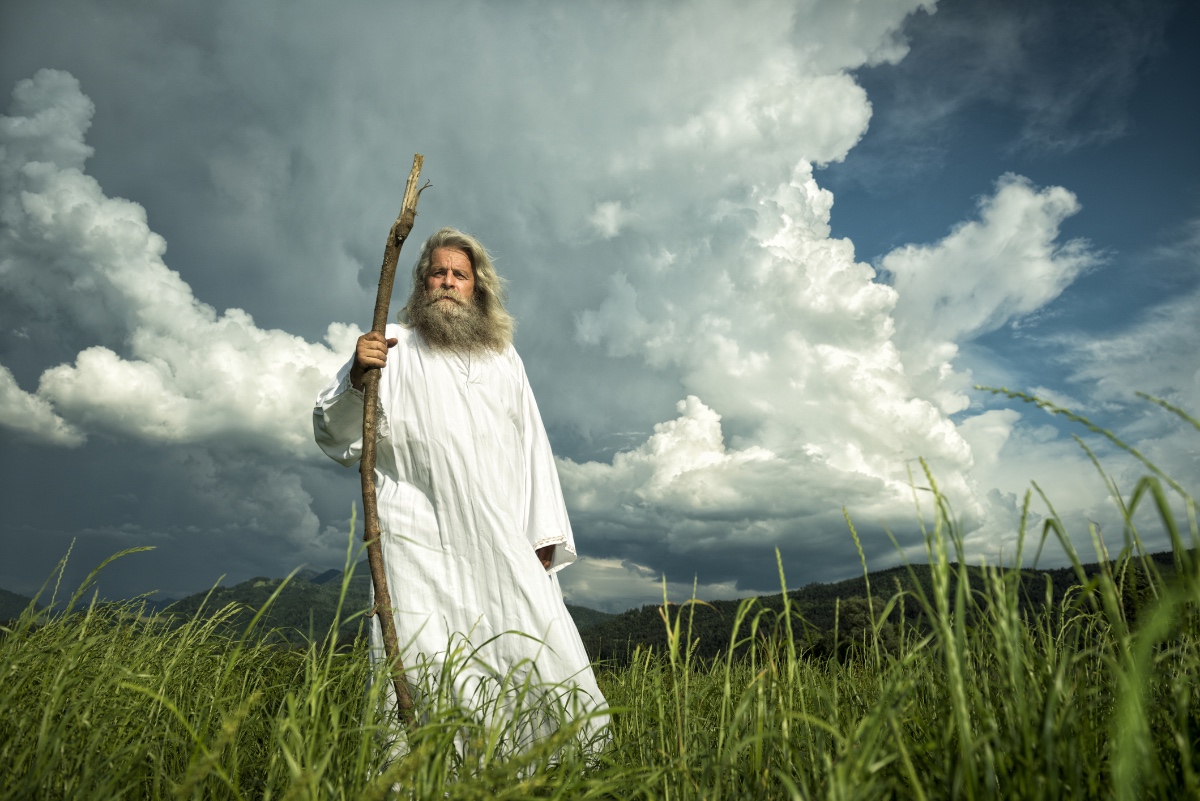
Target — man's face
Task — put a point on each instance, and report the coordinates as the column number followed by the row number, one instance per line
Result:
column 450, row 270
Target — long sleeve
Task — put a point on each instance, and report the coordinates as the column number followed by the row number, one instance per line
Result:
column 546, row 520
column 338, row 419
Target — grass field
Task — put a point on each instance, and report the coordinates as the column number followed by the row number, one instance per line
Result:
column 1093, row 697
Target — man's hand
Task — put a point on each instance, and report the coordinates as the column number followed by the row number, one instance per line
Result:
column 546, row 556
column 369, row 354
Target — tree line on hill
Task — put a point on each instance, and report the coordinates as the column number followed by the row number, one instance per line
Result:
column 298, row 610
column 829, row 620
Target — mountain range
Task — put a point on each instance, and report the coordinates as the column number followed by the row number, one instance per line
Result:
column 304, row 609
column 306, row 604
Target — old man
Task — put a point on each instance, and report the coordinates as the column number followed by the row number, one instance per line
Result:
column 474, row 525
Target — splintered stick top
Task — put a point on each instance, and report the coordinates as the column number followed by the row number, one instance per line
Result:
column 391, row 253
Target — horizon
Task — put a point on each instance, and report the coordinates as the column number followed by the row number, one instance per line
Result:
column 162, row 601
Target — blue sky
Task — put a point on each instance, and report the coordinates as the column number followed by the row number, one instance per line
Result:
column 1121, row 143
column 759, row 256
column 1121, row 138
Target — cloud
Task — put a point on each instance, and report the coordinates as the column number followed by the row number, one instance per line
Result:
column 684, row 466
column 608, row 218
column 49, row 116
column 787, row 337
column 783, row 109
column 1156, row 354
column 816, row 386
column 1153, row 354
column 33, row 416
column 988, row 272
column 985, row 274
column 613, row 585
column 73, row 254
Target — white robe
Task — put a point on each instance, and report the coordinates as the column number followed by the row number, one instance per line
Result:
column 467, row 490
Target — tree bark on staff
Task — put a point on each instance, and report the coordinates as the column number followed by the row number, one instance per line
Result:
column 371, row 529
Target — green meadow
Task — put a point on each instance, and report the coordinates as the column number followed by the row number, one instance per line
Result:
column 959, row 687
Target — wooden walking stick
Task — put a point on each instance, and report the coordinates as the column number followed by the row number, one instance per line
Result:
column 371, row 529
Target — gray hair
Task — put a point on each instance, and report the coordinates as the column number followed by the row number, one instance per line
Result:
column 489, row 286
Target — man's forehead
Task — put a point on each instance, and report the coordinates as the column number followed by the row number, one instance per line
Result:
column 445, row 256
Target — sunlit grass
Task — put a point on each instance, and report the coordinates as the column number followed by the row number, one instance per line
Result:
column 1091, row 696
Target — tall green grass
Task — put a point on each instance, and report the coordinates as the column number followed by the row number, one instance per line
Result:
column 1090, row 696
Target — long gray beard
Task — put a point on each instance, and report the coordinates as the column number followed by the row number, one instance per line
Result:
column 460, row 326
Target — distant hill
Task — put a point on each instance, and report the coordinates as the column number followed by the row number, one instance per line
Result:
column 585, row 618
column 302, row 610
column 12, row 605
column 307, row 603
column 306, row 606
column 712, row 622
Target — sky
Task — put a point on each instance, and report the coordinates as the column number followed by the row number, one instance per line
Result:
column 760, row 255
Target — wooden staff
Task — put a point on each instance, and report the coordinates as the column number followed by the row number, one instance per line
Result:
column 371, row 529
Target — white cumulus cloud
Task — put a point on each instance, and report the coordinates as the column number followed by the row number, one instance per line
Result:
column 170, row 369
column 984, row 274
column 989, row 271
column 33, row 416
column 814, row 384
column 792, row 341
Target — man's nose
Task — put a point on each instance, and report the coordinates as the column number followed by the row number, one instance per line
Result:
column 449, row 281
